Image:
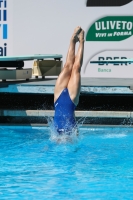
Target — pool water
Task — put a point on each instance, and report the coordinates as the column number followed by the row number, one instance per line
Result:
column 98, row 165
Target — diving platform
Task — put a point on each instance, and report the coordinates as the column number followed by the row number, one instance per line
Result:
column 12, row 67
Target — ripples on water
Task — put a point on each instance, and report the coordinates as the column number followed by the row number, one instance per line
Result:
column 96, row 165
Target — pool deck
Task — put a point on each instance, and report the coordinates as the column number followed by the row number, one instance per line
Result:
column 119, row 86
column 88, row 85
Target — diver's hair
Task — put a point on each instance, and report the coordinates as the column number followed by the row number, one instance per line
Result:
column 105, row 3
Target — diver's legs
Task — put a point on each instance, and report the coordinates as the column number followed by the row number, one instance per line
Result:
column 75, row 79
column 64, row 76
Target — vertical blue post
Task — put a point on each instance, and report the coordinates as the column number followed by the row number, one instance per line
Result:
column 1, row 1
column 5, row 4
column 0, row 15
column 4, row 15
column 5, row 31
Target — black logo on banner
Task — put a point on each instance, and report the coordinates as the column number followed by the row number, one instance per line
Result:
column 104, row 3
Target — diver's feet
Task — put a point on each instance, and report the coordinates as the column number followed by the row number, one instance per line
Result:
column 81, row 36
column 75, row 38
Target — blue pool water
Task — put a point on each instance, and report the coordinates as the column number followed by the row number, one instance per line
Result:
column 98, row 165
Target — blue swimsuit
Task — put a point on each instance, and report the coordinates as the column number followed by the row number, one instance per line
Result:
column 64, row 119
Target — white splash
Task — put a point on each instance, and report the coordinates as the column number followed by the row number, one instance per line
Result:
column 67, row 136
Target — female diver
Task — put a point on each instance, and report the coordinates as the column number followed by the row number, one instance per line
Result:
column 67, row 88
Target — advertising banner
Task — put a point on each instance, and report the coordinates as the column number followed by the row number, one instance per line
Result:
column 6, row 27
column 110, row 37
column 112, row 28
column 90, row 3
column 48, row 26
column 124, row 70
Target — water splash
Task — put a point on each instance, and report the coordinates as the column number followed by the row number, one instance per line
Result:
column 67, row 136
column 75, row 135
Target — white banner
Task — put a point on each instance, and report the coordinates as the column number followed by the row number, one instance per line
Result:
column 45, row 27
column 110, row 70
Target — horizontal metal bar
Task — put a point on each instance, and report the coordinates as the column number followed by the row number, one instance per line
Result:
column 50, row 113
